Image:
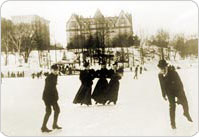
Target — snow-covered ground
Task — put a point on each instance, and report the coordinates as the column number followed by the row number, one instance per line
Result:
column 140, row 109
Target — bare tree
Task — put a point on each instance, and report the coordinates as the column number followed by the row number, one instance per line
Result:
column 185, row 47
column 28, row 44
column 161, row 40
column 22, row 39
column 6, row 30
column 178, row 43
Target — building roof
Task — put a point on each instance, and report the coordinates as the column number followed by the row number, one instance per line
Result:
column 99, row 17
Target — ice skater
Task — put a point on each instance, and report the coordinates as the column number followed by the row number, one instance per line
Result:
column 50, row 98
column 136, row 72
column 113, row 86
column 172, row 88
column 99, row 93
column 86, row 77
column 140, row 69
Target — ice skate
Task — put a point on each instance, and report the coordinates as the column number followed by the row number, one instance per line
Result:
column 45, row 129
column 56, row 127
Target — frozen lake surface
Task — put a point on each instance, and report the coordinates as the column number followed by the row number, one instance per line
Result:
column 140, row 109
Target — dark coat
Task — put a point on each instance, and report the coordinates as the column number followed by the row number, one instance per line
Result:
column 99, row 92
column 113, row 87
column 171, row 84
column 50, row 94
column 83, row 95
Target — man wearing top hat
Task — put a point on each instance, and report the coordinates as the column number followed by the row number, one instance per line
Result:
column 50, row 98
column 172, row 88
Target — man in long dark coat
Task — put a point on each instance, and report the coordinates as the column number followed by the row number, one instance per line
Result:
column 172, row 88
column 50, row 97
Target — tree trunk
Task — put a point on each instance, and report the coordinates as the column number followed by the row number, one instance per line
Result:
column 168, row 55
column 26, row 59
column 39, row 56
column 128, row 56
column 6, row 58
column 133, row 60
column 175, row 55
column 162, row 53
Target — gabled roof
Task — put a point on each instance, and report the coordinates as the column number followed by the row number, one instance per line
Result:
column 98, row 14
column 97, row 17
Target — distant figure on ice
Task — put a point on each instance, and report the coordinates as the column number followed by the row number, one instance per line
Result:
column 140, row 69
column 2, row 75
column 50, row 97
column 99, row 93
column 83, row 95
column 172, row 87
column 113, row 86
column 136, row 72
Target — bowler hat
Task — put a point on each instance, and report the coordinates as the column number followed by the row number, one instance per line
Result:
column 162, row 63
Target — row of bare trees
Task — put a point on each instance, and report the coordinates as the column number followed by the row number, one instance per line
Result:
column 22, row 38
column 179, row 43
column 120, row 40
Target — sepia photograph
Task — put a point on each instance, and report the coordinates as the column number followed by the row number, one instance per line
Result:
column 99, row 68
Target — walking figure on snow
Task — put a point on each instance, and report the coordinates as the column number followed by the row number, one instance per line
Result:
column 172, row 88
column 50, row 97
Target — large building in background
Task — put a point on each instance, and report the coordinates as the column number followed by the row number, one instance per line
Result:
column 38, row 23
column 109, row 27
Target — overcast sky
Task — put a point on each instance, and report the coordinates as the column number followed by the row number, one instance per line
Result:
column 147, row 16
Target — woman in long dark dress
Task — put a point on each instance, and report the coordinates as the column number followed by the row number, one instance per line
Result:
column 83, row 95
column 99, row 93
column 113, row 86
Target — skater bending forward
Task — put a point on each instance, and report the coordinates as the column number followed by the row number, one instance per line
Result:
column 172, row 88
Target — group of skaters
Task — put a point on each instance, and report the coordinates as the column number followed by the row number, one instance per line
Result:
column 12, row 74
column 104, row 91
column 170, row 83
column 39, row 74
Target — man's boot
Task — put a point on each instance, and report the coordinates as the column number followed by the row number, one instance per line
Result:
column 173, row 126
column 55, row 126
column 45, row 129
